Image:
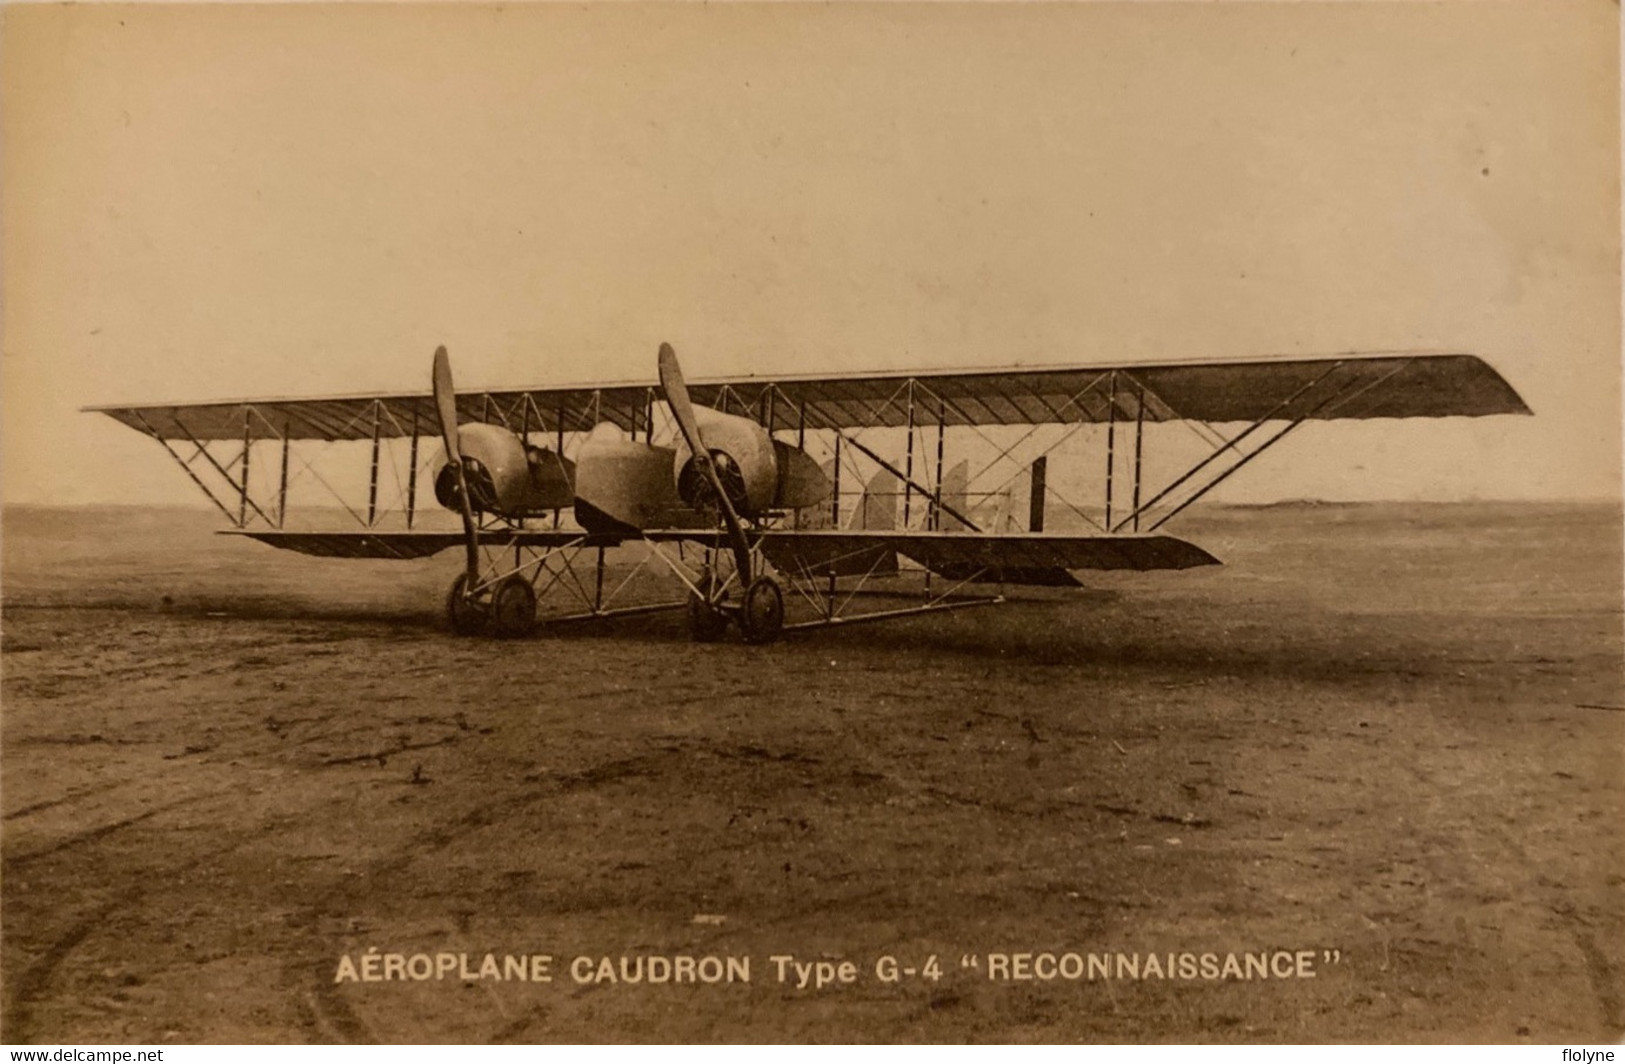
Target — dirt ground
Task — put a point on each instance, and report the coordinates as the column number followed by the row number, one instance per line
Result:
column 1391, row 732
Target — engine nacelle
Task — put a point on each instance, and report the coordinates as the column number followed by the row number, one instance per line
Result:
column 506, row 475
column 758, row 472
column 624, row 487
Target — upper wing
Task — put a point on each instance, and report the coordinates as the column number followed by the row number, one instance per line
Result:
column 1326, row 388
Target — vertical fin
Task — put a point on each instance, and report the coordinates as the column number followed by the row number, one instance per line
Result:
column 954, row 486
column 877, row 511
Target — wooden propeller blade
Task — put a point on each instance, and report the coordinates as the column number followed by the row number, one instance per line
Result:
column 445, row 404
column 682, row 408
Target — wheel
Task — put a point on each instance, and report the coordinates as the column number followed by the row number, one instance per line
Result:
column 513, row 609
column 468, row 616
column 762, row 618
column 706, row 623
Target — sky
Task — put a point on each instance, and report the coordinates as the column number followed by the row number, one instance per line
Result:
column 222, row 201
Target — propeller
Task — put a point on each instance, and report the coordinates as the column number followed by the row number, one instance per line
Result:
column 445, row 402
column 671, row 382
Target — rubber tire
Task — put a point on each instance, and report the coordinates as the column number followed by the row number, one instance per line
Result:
column 761, row 618
column 706, row 623
column 466, row 616
column 513, row 609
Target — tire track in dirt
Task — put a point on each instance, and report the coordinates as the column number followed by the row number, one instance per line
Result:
column 331, row 1012
column 86, row 792
column 1599, row 970
column 15, row 860
column 26, row 989
column 1603, row 980
column 21, row 994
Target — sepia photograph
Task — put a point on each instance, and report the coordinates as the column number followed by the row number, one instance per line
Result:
column 895, row 522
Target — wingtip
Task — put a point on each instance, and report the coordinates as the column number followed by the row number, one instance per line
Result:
column 1198, row 556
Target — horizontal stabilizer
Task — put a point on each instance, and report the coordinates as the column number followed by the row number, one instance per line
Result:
column 965, row 553
column 844, row 555
column 1024, row 577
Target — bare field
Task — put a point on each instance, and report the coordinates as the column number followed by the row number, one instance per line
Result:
column 1394, row 732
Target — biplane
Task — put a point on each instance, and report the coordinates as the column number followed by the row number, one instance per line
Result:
column 782, row 503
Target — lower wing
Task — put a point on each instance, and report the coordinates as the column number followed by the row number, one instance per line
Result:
column 1036, row 558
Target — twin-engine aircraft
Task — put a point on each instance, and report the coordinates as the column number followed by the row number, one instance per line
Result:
column 724, row 470
column 745, row 518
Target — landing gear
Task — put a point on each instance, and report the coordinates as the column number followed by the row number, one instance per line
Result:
column 706, row 623
column 761, row 618
column 468, row 616
column 513, row 609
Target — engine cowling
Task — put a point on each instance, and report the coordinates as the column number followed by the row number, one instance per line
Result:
column 758, row 472
column 506, row 475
